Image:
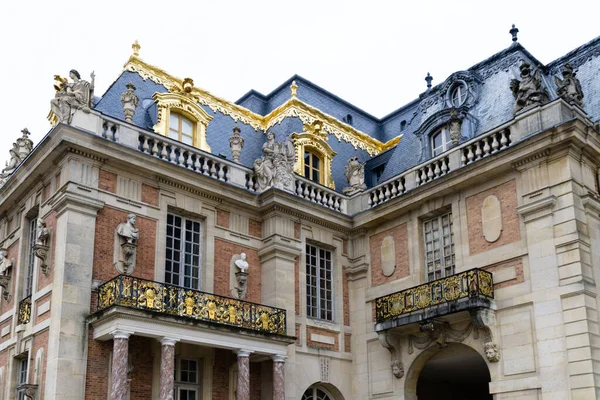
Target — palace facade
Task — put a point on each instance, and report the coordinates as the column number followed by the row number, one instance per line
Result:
column 163, row 243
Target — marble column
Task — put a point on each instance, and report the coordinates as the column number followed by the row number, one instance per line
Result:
column 278, row 377
column 119, row 365
column 167, row 368
column 243, row 381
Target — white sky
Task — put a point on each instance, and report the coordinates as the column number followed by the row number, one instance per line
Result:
column 374, row 54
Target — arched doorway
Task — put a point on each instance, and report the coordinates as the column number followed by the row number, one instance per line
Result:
column 455, row 372
column 322, row 391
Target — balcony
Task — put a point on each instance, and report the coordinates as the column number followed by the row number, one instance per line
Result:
column 464, row 291
column 161, row 298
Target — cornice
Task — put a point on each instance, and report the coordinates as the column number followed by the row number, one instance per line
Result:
column 292, row 108
column 180, row 186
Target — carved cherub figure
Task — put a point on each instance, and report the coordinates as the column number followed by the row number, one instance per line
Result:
column 569, row 88
column 528, row 91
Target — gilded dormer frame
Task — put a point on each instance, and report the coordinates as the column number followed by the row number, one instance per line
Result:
column 314, row 140
column 187, row 105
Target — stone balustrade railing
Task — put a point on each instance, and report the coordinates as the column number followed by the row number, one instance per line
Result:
column 386, row 191
column 485, row 146
column 318, row 194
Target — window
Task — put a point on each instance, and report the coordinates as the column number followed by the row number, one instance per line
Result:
column 316, row 393
column 402, row 125
column 376, row 174
column 182, row 259
column 319, row 283
column 439, row 247
column 348, row 119
column 187, row 380
column 312, row 166
column 458, row 95
column 440, row 142
column 22, row 376
column 30, row 257
column 181, row 128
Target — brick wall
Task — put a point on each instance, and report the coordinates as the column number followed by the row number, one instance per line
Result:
column 13, row 253
column 348, row 342
column 43, row 280
column 297, row 284
column 255, row 228
column 346, row 299
column 141, row 376
column 223, row 218
column 223, row 252
column 40, row 341
column 107, row 181
column 149, row 194
column 500, row 268
column 220, row 382
column 400, row 236
column 107, row 221
column 507, row 194
column 310, row 330
column 296, row 230
column 96, row 378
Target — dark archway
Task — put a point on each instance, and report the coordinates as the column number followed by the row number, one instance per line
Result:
column 456, row 372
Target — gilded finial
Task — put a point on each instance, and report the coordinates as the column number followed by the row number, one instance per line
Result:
column 136, row 48
column 294, row 88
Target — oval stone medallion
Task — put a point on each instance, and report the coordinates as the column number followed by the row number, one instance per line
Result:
column 491, row 218
column 388, row 255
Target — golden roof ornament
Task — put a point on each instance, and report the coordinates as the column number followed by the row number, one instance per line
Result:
column 136, row 49
column 187, row 85
column 294, row 88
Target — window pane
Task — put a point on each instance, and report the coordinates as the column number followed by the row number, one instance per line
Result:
column 187, row 139
column 186, row 126
column 174, row 122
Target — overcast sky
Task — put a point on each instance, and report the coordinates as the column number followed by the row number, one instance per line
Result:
column 374, row 54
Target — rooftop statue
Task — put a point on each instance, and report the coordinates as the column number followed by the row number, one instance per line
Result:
column 21, row 148
column 236, row 142
column 529, row 91
column 276, row 167
column 71, row 97
column 130, row 102
column 355, row 175
column 569, row 88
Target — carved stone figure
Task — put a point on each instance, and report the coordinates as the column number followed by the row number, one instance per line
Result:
column 491, row 351
column 397, row 369
column 130, row 102
column 5, row 273
column 438, row 333
column 128, row 235
column 236, row 142
column 529, row 91
column 128, row 231
column 41, row 247
column 242, row 264
column 569, row 88
column 71, row 97
column 276, row 167
column 355, row 175
column 42, row 232
column 392, row 343
column 240, row 291
column 454, row 127
column 21, row 148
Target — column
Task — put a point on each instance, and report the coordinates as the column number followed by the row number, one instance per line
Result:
column 243, row 381
column 167, row 368
column 119, row 365
column 278, row 377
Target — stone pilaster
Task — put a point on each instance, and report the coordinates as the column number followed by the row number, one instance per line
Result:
column 243, row 381
column 118, row 391
column 167, row 368
column 278, row 377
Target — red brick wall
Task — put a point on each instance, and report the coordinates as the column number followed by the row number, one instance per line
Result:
column 220, row 383
column 507, row 194
column 296, row 230
column 399, row 233
column 346, row 299
column 297, row 284
column 96, row 378
column 149, row 194
column 44, row 280
column 107, row 221
column 298, row 340
column 4, row 363
column 345, row 246
column 223, row 252
column 13, row 253
column 223, row 218
column 516, row 263
column 348, row 342
column 39, row 302
column 255, row 228
column 141, row 376
column 107, row 181
column 324, row 332
column 40, row 341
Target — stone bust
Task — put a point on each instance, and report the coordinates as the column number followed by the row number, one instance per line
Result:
column 128, row 231
column 42, row 233
column 491, row 351
column 242, row 264
column 5, row 263
column 397, row 369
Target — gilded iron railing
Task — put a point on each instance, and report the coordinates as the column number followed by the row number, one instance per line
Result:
column 168, row 299
column 468, row 284
column 24, row 311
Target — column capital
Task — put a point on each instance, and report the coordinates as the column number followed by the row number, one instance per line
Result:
column 278, row 358
column 166, row 341
column 120, row 334
column 243, row 353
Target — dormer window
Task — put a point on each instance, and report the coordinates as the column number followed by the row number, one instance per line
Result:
column 181, row 128
column 348, row 119
column 458, row 95
column 440, row 141
column 312, row 166
column 402, row 125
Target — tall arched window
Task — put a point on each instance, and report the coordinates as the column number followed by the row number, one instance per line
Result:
column 313, row 166
column 316, row 393
column 440, row 142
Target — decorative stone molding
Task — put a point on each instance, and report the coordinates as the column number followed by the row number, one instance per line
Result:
column 130, row 102
column 324, row 368
column 491, row 218
column 392, row 343
column 42, row 245
column 483, row 320
column 438, row 332
column 28, row 390
column 127, row 240
column 5, row 274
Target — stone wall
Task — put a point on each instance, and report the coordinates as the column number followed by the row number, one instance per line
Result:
column 398, row 259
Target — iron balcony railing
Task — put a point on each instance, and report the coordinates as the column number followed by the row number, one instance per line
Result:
column 468, row 284
column 24, row 311
column 143, row 294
